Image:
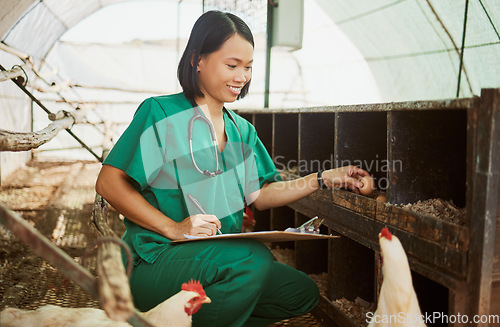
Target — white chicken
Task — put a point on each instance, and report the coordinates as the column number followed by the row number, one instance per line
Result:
column 397, row 302
column 176, row 311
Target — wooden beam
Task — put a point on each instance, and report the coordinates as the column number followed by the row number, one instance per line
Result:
column 14, row 72
column 114, row 290
column 16, row 52
column 24, row 141
column 438, row 259
column 330, row 315
column 410, row 106
column 483, row 215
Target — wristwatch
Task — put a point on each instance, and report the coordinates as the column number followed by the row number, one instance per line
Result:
column 321, row 183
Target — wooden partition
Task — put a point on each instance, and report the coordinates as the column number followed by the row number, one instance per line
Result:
column 416, row 151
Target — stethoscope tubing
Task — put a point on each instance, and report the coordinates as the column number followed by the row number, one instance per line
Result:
column 191, row 122
column 199, row 116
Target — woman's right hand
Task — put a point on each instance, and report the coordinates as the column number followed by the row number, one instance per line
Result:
column 348, row 176
column 198, row 225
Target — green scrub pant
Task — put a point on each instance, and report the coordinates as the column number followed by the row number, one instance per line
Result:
column 246, row 286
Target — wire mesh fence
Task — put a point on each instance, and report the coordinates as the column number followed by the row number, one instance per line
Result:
column 253, row 12
column 27, row 281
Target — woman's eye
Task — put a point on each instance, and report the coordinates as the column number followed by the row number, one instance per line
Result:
column 248, row 68
column 232, row 66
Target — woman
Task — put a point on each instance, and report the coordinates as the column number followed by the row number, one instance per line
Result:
column 154, row 176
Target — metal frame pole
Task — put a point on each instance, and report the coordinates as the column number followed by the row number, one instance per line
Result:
column 269, row 44
column 463, row 46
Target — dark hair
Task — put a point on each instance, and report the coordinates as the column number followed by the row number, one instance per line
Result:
column 210, row 31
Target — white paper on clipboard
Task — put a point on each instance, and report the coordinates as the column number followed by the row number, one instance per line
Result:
column 265, row 236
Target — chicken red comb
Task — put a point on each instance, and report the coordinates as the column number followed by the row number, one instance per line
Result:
column 385, row 233
column 194, row 286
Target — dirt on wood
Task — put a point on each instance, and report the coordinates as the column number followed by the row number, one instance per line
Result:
column 438, row 208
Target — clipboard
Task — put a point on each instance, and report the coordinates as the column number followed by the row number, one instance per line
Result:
column 266, row 236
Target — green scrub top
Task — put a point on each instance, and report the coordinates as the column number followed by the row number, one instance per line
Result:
column 154, row 152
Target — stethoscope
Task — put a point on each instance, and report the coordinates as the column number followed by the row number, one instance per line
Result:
column 199, row 116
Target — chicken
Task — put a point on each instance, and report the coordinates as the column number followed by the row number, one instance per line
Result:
column 248, row 221
column 176, row 311
column 397, row 302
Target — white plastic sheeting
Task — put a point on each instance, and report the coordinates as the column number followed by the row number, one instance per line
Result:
column 15, row 114
column 413, row 47
column 43, row 22
column 299, row 78
column 100, row 71
column 32, row 27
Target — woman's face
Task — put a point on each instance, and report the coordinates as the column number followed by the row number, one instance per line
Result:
column 223, row 73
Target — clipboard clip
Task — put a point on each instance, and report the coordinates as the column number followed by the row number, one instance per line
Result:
column 309, row 227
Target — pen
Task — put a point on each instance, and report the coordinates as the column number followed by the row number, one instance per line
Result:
column 200, row 208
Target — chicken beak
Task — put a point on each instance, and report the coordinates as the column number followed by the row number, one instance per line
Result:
column 206, row 300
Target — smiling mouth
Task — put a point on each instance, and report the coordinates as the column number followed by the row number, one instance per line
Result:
column 234, row 89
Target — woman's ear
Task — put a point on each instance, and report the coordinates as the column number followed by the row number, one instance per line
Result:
column 200, row 59
column 197, row 64
column 192, row 59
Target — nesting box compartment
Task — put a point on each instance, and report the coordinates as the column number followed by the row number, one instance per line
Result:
column 420, row 150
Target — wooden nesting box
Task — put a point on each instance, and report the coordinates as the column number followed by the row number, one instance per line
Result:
column 419, row 150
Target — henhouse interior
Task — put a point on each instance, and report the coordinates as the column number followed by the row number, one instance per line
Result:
column 354, row 182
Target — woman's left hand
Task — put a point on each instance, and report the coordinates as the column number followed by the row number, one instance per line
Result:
column 348, row 176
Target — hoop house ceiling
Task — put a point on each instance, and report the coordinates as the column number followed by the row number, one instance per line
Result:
column 33, row 26
column 414, row 47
